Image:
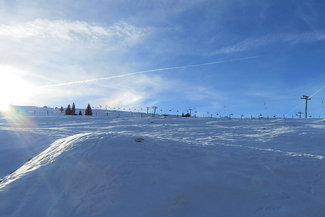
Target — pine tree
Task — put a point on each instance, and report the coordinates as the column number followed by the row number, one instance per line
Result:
column 73, row 110
column 61, row 109
column 68, row 110
column 80, row 113
column 88, row 110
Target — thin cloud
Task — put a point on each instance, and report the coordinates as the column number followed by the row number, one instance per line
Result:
column 70, row 30
column 249, row 44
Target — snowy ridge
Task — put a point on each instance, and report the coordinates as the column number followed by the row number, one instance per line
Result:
column 44, row 158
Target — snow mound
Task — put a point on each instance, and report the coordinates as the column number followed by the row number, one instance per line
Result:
column 46, row 157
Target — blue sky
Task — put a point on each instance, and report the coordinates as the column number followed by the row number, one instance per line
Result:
column 270, row 53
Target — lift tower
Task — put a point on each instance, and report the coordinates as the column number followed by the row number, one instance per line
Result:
column 306, row 108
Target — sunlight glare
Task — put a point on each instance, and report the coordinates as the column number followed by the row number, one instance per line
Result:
column 13, row 89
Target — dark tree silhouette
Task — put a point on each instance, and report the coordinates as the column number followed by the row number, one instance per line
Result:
column 186, row 115
column 61, row 109
column 68, row 110
column 73, row 110
column 88, row 110
column 80, row 113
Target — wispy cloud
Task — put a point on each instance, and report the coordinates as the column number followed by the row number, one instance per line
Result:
column 253, row 43
column 56, row 51
column 71, row 30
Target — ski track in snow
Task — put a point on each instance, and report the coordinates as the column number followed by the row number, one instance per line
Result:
column 226, row 139
column 211, row 141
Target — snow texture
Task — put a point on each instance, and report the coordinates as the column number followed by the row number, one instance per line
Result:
column 94, row 166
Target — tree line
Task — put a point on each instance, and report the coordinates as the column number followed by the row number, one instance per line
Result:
column 71, row 110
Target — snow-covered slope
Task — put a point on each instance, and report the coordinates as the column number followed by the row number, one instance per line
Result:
column 92, row 166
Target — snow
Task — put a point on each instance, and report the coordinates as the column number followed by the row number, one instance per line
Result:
column 60, row 165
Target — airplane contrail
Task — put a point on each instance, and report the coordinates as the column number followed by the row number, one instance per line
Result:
column 146, row 71
column 318, row 91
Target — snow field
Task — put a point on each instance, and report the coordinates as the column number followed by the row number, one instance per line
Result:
column 184, row 167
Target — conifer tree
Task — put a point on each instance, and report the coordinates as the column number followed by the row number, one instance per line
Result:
column 88, row 110
column 80, row 113
column 61, row 109
column 68, row 110
column 73, row 110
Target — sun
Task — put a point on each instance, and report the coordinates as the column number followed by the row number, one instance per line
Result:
column 13, row 88
column 4, row 108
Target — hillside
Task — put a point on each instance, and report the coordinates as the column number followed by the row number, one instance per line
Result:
column 60, row 165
